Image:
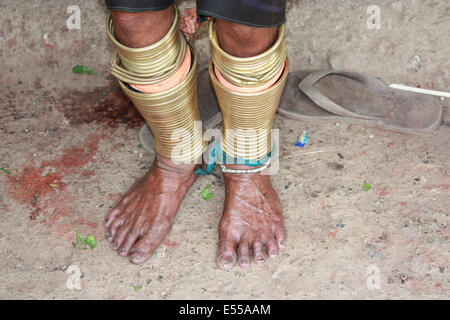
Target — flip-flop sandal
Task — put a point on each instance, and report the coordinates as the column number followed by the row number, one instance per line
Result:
column 334, row 95
column 207, row 103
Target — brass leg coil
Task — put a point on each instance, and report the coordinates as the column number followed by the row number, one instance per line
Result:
column 172, row 115
column 248, row 117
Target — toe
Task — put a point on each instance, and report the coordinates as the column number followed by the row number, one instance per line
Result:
column 117, row 211
column 128, row 243
column 226, row 255
column 114, row 227
column 272, row 248
column 136, row 256
column 258, row 252
column 124, row 217
column 244, row 254
column 108, row 235
column 119, row 236
column 112, row 215
column 280, row 236
column 142, row 250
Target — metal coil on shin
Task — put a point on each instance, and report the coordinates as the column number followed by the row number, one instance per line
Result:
column 248, row 117
column 150, row 64
column 251, row 71
column 172, row 115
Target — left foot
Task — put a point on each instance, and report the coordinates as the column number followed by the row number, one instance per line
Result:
column 252, row 219
column 146, row 213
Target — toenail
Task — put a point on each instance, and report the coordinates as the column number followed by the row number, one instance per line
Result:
column 273, row 254
column 136, row 254
column 108, row 234
column 243, row 261
column 114, row 245
column 260, row 259
column 122, row 250
column 226, row 260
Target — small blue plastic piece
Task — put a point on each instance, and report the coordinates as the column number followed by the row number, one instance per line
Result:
column 302, row 140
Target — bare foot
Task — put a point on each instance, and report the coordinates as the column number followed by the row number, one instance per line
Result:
column 145, row 214
column 252, row 219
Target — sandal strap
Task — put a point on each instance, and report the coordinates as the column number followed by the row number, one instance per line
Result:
column 307, row 86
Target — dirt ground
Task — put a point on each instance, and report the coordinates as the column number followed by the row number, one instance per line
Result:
column 69, row 148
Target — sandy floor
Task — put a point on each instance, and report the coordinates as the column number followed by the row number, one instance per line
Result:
column 69, row 148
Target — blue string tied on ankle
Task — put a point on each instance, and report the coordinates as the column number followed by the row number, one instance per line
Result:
column 217, row 154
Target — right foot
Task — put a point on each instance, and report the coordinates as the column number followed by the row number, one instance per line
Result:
column 144, row 216
column 252, row 219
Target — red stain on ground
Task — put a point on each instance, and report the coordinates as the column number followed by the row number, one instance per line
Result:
column 332, row 233
column 108, row 106
column 64, row 223
column 32, row 185
column 76, row 157
column 383, row 193
column 42, row 188
column 88, row 173
column 60, row 207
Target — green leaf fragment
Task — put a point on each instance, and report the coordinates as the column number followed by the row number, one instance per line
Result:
column 78, row 69
column 160, row 277
column 91, row 242
column 80, row 238
column 206, row 193
column 83, row 70
column 137, row 288
column 367, row 186
column 208, row 196
column 88, row 241
column 34, row 201
column 5, row 171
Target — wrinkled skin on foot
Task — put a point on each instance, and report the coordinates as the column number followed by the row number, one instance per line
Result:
column 252, row 225
column 144, row 216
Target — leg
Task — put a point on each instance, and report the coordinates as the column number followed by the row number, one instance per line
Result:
column 141, row 29
column 252, row 223
column 251, row 219
column 144, row 216
column 244, row 41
